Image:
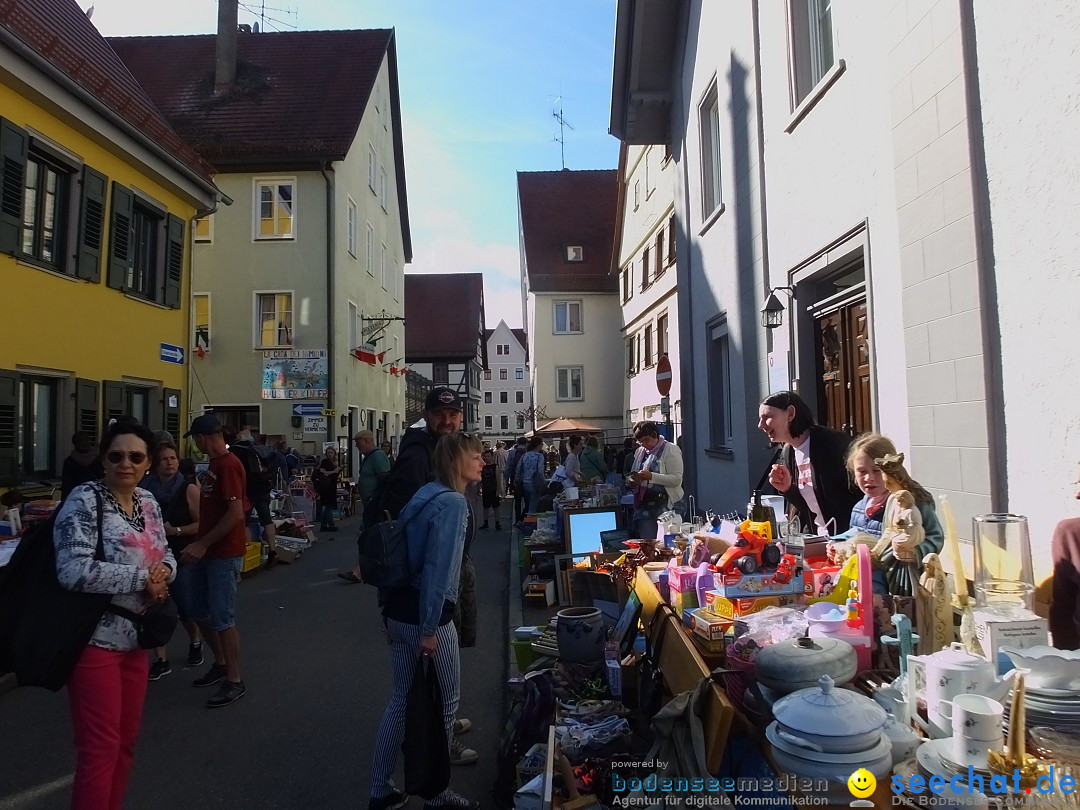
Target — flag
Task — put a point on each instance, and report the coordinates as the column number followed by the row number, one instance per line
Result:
column 382, row 356
column 393, row 370
column 365, row 353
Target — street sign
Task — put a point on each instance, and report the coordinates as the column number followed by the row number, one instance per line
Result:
column 663, row 375
column 665, row 406
column 307, row 409
column 314, row 424
column 172, row 354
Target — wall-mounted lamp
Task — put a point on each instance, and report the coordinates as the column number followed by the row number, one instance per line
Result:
column 296, row 421
column 344, row 420
column 772, row 314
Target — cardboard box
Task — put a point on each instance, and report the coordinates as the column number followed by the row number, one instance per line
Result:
column 993, row 631
column 735, row 608
column 287, row 556
column 709, row 625
column 737, row 584
column 614, row 678
column 824, row 579
column 682, row 578
column 682, row 601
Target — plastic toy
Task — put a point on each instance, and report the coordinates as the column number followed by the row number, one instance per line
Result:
column 786, row 569
column 853, row 617
column 750, row 552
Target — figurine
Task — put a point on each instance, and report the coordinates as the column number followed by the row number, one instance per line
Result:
column 910, row 527
column 853, row 618
column 934, row 609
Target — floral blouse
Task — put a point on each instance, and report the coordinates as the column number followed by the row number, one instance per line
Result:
column 131, row 546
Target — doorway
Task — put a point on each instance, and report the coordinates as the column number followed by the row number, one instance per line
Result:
column 842, row 351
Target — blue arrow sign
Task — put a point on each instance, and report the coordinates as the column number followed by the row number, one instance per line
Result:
column 172, row 354
column 307, row 409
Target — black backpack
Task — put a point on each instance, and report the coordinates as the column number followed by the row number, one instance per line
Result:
column 44, row 627
column 527, row 724
column 384, row 552
column 260, row 463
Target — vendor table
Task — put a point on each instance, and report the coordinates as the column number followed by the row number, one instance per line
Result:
column 683, row 668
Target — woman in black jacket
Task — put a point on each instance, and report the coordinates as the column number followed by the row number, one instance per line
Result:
column 812, row 474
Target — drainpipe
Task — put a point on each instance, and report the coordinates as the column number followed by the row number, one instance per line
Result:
column 323, row 166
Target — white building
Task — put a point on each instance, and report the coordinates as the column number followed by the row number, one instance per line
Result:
column 884, row 163
column 505, row 390
column 645, row 264
column 572, row 313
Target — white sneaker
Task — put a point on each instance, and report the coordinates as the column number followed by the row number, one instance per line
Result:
column 461, row 725
column 460, row 755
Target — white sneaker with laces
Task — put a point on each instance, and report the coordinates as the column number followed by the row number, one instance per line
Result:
column 461, row 725
column 460, row 755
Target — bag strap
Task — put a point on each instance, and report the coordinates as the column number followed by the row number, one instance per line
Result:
column 652, row 648
column 100, row 555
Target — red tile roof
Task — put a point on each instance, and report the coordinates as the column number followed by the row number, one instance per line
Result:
column 564, row 208
column 297, row 100
column 61, row 34
column 444, row 316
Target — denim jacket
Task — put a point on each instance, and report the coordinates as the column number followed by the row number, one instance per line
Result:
column 435, row 538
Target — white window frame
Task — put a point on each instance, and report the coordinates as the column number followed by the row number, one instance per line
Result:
column 382, row 265
column 504, row 421
column 718, row 359
column 370, row 250
column 812, row 48
column 256, row 210
column 209, row 238
column 372, row 167
column 555, row 317
column 566, row 374
column 257, row 343
column 637, row 194
column 195, row 324
column 354, row 331
column 489, row 420
column 350, row 226
column 519, row 374
column 383, row 199
column 712, row 198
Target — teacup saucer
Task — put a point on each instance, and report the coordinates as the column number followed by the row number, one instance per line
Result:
column 935, row 758
column 1071, row 691
column 945, row 754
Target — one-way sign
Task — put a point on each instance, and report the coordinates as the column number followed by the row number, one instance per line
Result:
column 307, row 409
column 172, row 354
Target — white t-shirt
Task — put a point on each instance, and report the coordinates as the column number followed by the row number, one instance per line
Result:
column 804, row 480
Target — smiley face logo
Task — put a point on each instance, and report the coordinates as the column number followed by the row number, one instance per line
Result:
column 861, row 783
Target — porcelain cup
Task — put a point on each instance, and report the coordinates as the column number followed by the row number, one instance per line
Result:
column 974, row 752
column 974, row 717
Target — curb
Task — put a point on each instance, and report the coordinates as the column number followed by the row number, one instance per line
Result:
column 514, row 612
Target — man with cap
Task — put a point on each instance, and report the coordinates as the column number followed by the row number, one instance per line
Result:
column 217, row 556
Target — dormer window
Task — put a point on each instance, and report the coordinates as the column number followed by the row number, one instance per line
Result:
column 575, row 253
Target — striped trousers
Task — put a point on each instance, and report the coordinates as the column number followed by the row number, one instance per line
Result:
column 404, row 651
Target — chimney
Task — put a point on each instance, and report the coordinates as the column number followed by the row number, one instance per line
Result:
column 226, row 46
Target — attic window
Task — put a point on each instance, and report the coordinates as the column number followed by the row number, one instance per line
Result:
column 575, row 253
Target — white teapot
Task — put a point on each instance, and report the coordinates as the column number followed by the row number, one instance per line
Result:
column 946, row 674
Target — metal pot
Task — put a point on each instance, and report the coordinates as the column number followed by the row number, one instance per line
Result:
column 831, row 721
column 799, row 663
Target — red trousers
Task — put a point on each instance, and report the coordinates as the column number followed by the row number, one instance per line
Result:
column 107, row 690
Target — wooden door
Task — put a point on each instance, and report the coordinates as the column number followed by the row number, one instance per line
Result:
column 843, row 356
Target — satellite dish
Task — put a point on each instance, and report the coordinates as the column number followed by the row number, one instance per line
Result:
column 255, row 28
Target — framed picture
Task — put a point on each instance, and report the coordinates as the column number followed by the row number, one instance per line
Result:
column 582, row 527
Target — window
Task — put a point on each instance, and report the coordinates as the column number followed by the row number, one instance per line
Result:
column 275, row 209
column 648, row 185
column 350, row 228
column 662, row 335
column 568, row 383
column 487, row 421
column 382, row 265
column 45, row 210
column 575, row 253
column 521, row 423
column 519, row 397
column 628, row 282
column 274, row 326
column 502, row 374
column 201, row 305
column 487, row 373
column 382, row 189
column 440, row 374
column 631, row 356
column 811, row 44
column 519, row 374
column 719, row 387
column 649, row 361
column 709, row 122
column 204, row 229
column 568, row 318
column 370, row 252
column 146, row 252
column 40, row 401
column 487, row 397
column 504, row 421
column 646, row 270
column 504, row 397
column 354, row 336
column 498, row 348
column 142, row 274
column 671, row 240
column 637, row 194
column 506, row 348
column 372, row 168
column 660, row 266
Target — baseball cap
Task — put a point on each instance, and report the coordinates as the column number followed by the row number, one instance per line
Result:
column 442, row 398
column 204, row 425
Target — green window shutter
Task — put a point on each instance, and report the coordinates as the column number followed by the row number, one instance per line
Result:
column 114, row 403
column 86, row 407
column 9, row 409
column 174, row 261
column 171, row 412
column 14, row 143
column 121, row 249
column 91, row 225
column 155, row 410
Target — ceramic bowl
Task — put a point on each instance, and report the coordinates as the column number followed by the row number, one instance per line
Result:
column 1048, row 667
column 836, row 721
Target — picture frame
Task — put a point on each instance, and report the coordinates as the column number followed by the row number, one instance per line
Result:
column 582, row 527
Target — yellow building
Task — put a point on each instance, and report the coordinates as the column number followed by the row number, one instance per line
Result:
column 97, row 198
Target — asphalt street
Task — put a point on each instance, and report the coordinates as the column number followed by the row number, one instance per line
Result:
column 318, row 675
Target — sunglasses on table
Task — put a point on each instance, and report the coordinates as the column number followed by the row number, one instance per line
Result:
column 117, row 456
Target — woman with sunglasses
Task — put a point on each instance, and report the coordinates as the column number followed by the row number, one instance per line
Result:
column 108, row 685
column 419, row 616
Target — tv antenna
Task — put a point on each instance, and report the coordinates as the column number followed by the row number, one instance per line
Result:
column 260, row 10
column 560, row 139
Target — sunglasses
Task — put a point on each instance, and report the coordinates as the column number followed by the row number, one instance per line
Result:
column 117, row 457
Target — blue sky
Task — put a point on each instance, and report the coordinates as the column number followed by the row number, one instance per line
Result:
column 479, row 82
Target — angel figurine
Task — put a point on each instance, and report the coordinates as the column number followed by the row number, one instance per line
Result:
column 910, row 527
